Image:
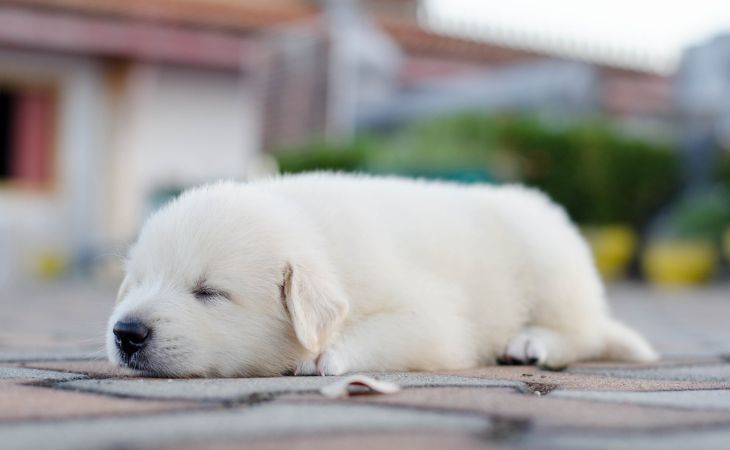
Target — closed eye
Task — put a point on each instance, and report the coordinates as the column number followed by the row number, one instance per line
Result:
column 206, row 293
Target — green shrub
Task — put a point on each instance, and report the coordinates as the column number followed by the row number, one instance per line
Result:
column 723, row 168
column 599, row 175
column 703, row 214
column 322, row 155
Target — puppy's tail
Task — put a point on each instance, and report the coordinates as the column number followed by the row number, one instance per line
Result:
column 621, row 343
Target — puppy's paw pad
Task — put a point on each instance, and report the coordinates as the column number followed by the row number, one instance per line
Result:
column 525, row 348
column 330, row 363
column 308, row 367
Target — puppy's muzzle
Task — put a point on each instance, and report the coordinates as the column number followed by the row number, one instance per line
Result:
column 130, row 336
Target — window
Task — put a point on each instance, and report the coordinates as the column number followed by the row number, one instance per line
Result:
column 26, row 132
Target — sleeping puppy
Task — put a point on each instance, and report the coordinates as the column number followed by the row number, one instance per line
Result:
column 327, row 274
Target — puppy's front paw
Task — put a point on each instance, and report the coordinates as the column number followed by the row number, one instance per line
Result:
column 331, row 363
column 307, row 367
column 525, row 348
column 327, row 363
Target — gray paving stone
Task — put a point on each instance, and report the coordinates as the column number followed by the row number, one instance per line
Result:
column 37, row 374
column 241, row 388
column 698, row 373
column 272, row 419
column 425, row 379
column 50, row 355
column 712, row 399
column 679, row 322
column 699, row 439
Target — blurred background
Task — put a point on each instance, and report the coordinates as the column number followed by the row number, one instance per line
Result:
column 619, row 111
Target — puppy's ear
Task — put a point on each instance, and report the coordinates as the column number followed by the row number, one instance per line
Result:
column 123, row 289
column 316, row 305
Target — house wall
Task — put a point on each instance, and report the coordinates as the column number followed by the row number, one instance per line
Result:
column 124, row 131
column 177, row 127
column 64, row 216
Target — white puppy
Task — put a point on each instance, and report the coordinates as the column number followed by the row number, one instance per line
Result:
column 326, row 274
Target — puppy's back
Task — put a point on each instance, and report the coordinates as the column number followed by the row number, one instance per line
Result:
column 376, row 225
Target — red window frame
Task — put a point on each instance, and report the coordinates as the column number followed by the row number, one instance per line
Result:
column 27, row 135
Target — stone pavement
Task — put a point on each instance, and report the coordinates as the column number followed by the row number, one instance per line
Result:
column 57, row 392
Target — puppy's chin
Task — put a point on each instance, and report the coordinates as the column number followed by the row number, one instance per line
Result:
column 149, row 363
column 143, row 365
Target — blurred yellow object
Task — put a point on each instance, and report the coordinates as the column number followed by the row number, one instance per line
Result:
column 679, row 263
column 612, row 246
column 49, row 264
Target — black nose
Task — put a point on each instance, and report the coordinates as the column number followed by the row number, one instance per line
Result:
column 131, row 336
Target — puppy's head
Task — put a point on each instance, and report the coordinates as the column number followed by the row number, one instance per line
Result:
column 221, row 283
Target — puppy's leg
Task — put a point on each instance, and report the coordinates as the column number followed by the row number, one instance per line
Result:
column 307, row 367
column 545, row 347
column 428, row 327
column 399, row 341
column 571, row 323
column 568, row 316
column 329, row 362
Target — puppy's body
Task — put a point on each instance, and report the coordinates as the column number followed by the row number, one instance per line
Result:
column 331, row 273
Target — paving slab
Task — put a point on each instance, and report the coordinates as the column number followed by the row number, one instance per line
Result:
column 57, row 390
column 239, row 389
column 40, row 320
column 90, row 368
column 31, row 403
column 267, row 420
column 27, row 374
column 422, row 440
column 665, row 361
column 711, row 399
column 598, row 378
column 691, row 373
column 704, row 439
column 50, row 355
column 679, row 322
column 543, row 411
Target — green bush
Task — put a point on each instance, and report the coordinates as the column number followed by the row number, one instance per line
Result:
column 322, row 155
column 703, row 214
column 723, row 168
column 599, row 175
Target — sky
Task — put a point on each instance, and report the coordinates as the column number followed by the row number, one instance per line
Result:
column 646, row 34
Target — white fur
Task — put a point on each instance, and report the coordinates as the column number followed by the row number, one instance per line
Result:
column 332, row 273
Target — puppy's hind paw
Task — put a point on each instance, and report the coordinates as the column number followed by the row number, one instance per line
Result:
column 525, row 348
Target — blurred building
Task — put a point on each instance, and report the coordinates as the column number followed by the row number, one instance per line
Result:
column 703, row 106
column 442, row 74
column 109, row 107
